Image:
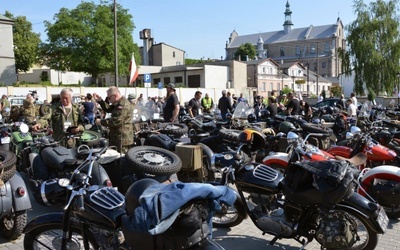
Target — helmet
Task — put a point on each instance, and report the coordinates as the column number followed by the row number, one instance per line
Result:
column 251, row 118
column 329, row 110
column 134, row 192
column 264, row 114
column 286, row 127
column 253, row 137
column 384, row 137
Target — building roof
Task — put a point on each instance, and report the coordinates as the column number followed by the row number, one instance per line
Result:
column 299, row 34
column 4, row 19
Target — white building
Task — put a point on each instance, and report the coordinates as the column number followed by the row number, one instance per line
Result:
column 8, row 74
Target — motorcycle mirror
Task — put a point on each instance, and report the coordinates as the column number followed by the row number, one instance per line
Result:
column 24, row 128
column 349, row 135
column 355, row 130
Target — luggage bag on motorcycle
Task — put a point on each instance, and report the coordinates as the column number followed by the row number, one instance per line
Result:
column 385, row 192
column 191, row 156
column 319, row 183
column 189, row 228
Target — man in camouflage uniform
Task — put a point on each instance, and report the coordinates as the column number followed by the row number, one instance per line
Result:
column 120, row 123
column 5, row 103
column 29, row 109
column 62, row 115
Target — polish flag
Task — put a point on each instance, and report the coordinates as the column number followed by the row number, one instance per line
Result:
column 133, row 69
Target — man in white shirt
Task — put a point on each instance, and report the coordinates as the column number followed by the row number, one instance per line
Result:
column 351, row 112
column 320, row 98
column 353, row 99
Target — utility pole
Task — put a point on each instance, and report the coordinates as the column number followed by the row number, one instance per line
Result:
column 115, row 44
column 317, row 69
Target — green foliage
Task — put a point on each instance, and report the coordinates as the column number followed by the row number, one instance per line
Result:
column 373, row 46
column 26, row 43
column 336, row 90
column 82, row 39
column 286, row 90
column 371, row 95
column 195, row 61
column 245, row 50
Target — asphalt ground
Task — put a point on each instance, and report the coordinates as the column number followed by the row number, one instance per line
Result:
column 244, row 236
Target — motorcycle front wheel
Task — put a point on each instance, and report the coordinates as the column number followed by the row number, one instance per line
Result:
column 229, row 216
column 50, row 237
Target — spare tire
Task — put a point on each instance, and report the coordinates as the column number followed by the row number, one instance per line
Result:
column 153, row 160
column 7, row 165
column 44, row 109
column 169, row 128
column 90, row 138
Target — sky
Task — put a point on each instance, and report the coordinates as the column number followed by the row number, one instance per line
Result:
column 200, row 28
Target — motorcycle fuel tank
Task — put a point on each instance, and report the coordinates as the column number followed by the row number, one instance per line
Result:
column 256, row 177
column 103, row 207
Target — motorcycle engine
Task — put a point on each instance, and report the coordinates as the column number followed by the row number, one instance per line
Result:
column 337, row 230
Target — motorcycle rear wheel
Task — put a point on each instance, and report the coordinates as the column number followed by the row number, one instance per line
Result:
column 50, row 237
column 368, row 239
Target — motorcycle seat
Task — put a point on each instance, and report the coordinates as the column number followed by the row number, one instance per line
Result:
column 198, row 137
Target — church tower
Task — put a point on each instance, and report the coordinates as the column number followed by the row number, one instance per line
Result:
column 287, row 25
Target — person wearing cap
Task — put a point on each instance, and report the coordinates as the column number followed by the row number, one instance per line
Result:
column 171, row 107
column 132, row 99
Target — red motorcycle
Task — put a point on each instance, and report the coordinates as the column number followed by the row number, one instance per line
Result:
column 381, row 183
column 358, row 142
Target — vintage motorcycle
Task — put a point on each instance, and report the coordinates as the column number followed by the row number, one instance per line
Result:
column 97, row 217
column 314, row 200
column 14, row 199
column 379, row 183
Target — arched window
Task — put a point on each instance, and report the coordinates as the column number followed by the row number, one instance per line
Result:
column 298, row 50
column 313, row 49
column 282, row 51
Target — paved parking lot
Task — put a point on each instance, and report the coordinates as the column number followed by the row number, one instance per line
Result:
column 243, row 236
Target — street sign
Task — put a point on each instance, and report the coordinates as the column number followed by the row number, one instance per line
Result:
column 160, row 85
column 147, row 84
column 147, row 78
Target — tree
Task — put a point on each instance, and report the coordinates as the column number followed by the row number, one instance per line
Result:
column 26, row 43
column 245, row 51
column 82, row 39
column 373, row 46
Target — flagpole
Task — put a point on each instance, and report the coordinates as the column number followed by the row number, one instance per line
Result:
column 115, row 44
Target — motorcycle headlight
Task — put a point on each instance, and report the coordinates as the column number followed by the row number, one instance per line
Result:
column 292, row 137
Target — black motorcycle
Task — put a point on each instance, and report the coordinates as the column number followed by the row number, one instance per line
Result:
column 314, row 200
column 97, row 217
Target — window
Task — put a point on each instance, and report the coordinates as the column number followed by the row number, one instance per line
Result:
column 156, row 81
column 270, row 71
column 178, row 79
column 173, row 54
column 167, row 80
column 323, row 64
column 194, row 81
column 271, row 86
column 263, row 69
column 313, row 49
column 282, row 51
column 298, row 50
column 327, row 48
column 263, row 86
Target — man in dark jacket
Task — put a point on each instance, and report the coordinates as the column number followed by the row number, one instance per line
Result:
column 224, row 105
column 171, row 107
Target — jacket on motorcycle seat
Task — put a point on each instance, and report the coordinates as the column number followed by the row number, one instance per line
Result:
column 160, row 203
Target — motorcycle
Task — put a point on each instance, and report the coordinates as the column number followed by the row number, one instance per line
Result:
column 45, row 159
column 14, row 199
column 97, row 217
column 362, row 142
column 314, row 200
column 379, row 183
